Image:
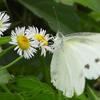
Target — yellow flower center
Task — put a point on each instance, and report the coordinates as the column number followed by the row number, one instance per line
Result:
column 1, row 24
column 23, row 42
column 41, row 38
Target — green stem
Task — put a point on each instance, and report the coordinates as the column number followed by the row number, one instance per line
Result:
column 10, row 64
column 91, row 93
column 6, row 50
column 45, row 70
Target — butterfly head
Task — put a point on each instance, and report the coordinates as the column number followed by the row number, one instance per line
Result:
column 58, row 41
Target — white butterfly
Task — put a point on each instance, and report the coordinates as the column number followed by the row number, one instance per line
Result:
column 76, row 57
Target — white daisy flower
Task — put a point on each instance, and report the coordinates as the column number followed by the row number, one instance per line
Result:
column 42, row 38
column 4, row 22
column 24, row 44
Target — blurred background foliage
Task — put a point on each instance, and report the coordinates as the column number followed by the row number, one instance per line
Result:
column 30, row 79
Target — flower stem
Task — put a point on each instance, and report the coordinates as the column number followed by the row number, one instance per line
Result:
column 6, row 51
column 10, row 64
column 45, row 70
column 91, row 93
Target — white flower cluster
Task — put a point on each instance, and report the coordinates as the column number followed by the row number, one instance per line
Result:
column 4, row 22
column 27, row 40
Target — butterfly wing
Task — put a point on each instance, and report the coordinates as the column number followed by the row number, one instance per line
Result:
column 60, row 75
column 78, row 57
column 66, row 73
column 91, row 58
column 88, row 47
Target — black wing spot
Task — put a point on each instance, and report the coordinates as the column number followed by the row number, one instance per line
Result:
column 87, row 66
column 97, row 60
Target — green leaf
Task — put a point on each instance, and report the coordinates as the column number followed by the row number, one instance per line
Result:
column 60, row 96
column 92, row 4
column 4, row 40
column 88, row 24
column 31, row 88
column 82, row 97
column 95, row 15
column 4, row 76
column 68, row 2
column 59, row 17
column 7, row 96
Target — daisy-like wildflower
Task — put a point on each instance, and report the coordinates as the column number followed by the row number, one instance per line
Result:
column 4, row 22
column 42, row 38
column 24, row 45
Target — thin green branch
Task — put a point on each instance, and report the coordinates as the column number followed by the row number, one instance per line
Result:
column 10, row 64
column 6, row 50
